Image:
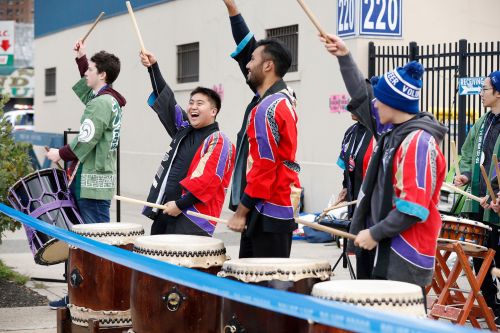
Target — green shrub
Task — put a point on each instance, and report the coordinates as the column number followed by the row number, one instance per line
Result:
column 14, row 164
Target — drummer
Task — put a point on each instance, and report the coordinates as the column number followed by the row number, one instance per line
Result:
column 483, row 140
column 93, row 152
column 397, row 205
column 195, row 173
column 96, row 144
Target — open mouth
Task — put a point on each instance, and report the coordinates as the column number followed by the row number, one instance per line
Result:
column 194, row 115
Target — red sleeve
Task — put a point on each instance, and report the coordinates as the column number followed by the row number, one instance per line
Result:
column 214, row 161
column 83, row 65
column 67, row 154
column 271, row 135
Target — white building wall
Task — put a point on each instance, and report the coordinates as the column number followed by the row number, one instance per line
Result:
column 164, row 26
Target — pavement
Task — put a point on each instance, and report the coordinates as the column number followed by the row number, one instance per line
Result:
column 15, row 253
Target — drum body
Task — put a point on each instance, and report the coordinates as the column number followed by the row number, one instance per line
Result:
column 161, row 306
column 383, row 295
column 44, row 194
column 472, row 235
column 295, row 275
column 99, row 288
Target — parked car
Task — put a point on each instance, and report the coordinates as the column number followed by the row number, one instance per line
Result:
column 21, row 119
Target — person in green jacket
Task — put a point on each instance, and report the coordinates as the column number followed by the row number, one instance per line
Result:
column 482, row 142
column 93, row 152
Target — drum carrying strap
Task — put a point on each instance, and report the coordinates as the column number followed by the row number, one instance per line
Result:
column 51, row 206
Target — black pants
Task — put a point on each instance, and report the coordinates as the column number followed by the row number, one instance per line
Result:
column 166, row 224
column 261, row 244
column 364, row 263
column 489, row 287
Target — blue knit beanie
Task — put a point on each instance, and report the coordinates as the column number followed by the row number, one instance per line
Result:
column 495, row 79
column 400, row 88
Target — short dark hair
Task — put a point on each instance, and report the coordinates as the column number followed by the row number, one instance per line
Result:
column 212, row 95
column 108, row 63
column 279, row 53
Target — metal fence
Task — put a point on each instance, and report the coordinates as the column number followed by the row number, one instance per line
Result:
column 444, row 65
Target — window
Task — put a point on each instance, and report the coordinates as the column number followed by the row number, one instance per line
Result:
column 188, row 62
column 289, row 35
column 50, row 81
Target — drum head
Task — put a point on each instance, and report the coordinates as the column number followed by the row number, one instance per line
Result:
column 53, row 252
column 384, row 295
column 283, row 269
column 109, row 232
column 184, row 250
column 467, row 246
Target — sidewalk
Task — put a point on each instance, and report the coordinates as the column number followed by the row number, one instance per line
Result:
column 15, row 253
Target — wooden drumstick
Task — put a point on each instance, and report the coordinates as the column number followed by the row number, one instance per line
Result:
column 139, row 202
column 456, row 189
column 454, row 154
column 59, row 166
column 497, row 168
column 134, row 22
column 340, row 205
column 92, row 27
column 309, row 224
column 313, row 19
column 488, row 183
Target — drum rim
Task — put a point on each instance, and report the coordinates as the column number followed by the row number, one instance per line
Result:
column 467, row 245
column 36, row 172
column 39, row 254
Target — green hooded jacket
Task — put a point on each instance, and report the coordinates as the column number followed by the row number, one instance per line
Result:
column 97, row 143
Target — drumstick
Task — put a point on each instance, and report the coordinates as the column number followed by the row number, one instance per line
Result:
column 497, row 169
column 456, row 189
column 454, row 154
column 208, row 217
column 134, row 22
column 57, row 163
column 309, row 224
column 92, row 27
column 340, row 205
column 313, row 19
column 140, row 202
column 488, row 183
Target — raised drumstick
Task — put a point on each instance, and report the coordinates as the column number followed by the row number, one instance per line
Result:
column 488, row 183
column 313, row 19
column 454, row 154
column 92, row 27
column 134, row 22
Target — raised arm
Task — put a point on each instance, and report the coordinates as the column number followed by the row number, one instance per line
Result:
column 162, row 99
column 243, row 37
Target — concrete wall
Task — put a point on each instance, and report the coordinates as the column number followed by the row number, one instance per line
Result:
column 167, row 25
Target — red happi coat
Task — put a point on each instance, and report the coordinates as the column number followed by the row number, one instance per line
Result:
column 272, row 172
column 418, row 172
column 208, row 177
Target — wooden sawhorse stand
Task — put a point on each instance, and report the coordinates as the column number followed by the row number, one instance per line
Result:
column 64, row 325
column 451, row 303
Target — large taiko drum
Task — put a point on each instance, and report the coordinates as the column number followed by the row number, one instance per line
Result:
column 289, row 274
column 389, row 296
column 44, row 194
column 161, row 306
column 98, row 288
column 472, row 235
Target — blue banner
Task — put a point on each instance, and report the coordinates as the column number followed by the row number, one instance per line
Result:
column 334, row 314
column 381, row 18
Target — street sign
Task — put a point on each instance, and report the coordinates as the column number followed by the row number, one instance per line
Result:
column 346, row 18
column 470, row 85
column 381, row 18
column 6, row 43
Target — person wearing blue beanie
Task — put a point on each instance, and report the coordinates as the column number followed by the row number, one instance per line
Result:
column 396, row 215
column 481, row 143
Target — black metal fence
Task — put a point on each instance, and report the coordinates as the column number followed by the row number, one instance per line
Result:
column 444, row 65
